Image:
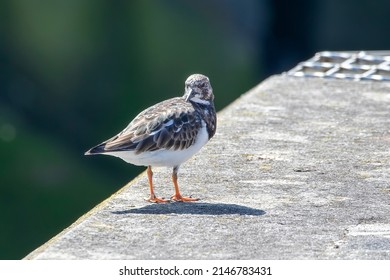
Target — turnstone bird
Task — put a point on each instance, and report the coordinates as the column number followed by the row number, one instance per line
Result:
column 167, row 134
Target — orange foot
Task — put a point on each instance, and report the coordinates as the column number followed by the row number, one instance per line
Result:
column 155, row 199
column 178, row 197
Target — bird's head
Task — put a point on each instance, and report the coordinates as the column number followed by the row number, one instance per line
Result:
column 198, row 89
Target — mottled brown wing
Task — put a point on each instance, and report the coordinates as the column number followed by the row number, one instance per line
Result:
column 172, row 124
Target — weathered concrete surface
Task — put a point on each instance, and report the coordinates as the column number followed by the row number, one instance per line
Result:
column 299, row 169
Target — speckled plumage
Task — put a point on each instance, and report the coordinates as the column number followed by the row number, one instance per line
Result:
column 168, row 133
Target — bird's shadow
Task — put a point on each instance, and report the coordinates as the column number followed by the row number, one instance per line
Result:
column 196, row 208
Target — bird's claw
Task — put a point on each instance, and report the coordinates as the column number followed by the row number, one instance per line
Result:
column 155, row 199
column 180, row 198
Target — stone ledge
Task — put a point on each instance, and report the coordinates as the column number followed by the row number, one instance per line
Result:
column 298, row 169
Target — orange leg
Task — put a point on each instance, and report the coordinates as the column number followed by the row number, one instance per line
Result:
column 177, row 196
column 153, row 197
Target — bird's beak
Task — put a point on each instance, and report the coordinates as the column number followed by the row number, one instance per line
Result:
column 189, row 94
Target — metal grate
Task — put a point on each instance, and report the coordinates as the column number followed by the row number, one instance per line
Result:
column 359, row 65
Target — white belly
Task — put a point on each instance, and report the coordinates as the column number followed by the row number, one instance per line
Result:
column 169, row 158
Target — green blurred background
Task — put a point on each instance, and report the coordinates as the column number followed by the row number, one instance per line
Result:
column 75, row 72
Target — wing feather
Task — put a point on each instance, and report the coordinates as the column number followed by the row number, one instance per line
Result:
column 171, row 124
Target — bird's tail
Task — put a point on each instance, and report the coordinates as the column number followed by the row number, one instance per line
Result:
column 99, row 149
